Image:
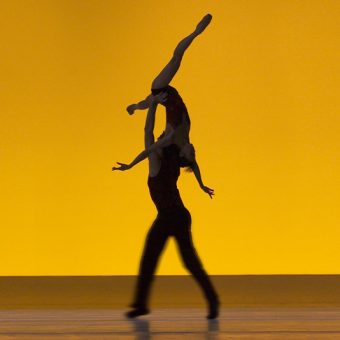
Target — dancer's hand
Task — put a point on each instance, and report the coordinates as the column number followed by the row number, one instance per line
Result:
column 122, row 167
column 209, row 191
column 131, row 109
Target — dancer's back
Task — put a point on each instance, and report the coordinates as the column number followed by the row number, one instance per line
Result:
column 176, row 111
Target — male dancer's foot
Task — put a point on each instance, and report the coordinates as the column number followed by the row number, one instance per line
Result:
column 213, row 309
column 203, row 24
column 137, row 311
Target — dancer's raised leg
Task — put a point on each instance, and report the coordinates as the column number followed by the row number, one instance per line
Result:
column 169, row 71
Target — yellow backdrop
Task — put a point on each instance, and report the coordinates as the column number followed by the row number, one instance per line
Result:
column 262, row 87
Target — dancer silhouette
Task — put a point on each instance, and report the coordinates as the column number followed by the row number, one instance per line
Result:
column 173, row 219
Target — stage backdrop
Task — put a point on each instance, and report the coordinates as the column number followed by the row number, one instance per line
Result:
column 262, row 88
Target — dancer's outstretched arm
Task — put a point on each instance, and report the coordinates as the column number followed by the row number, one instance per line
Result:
column 150, row 146
column 142, row 105
column 161, row 143
column 196, row 170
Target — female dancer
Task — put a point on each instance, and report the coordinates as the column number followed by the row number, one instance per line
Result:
column 177, row 118
column 173, row 219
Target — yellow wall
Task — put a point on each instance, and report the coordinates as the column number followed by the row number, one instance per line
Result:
column 262, row 87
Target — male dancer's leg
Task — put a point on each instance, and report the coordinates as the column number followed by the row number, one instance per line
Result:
column 190, row 258
column 153, row 247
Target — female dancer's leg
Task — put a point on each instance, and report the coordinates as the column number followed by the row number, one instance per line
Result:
column 169, row 71
column 166, row 75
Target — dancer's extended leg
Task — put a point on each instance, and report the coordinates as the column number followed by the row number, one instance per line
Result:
column 169, row 71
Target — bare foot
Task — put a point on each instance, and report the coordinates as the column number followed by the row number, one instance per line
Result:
column 203, row 23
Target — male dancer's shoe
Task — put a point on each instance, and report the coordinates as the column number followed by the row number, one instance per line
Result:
column 137, row 312
column 213, row 309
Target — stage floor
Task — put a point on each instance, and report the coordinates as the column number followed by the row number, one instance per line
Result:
column 260, row 323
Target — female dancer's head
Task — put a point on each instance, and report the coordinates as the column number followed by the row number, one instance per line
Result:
column 187, row 155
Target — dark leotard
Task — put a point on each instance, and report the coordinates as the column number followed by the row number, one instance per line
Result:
column 176, row 110
column 163, row 186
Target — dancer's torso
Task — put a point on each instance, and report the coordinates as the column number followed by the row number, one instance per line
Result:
column 176, row 111
column 163, row 186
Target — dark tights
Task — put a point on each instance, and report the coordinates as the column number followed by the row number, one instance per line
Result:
column 176, row 223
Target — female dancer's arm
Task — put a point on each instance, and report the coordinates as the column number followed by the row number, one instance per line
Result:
column 195, row 168
column 165, row 141
column 142, row 105
column 150, row 145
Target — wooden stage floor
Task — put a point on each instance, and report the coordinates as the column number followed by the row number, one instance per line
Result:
column 260, row 323
column 260, row 307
